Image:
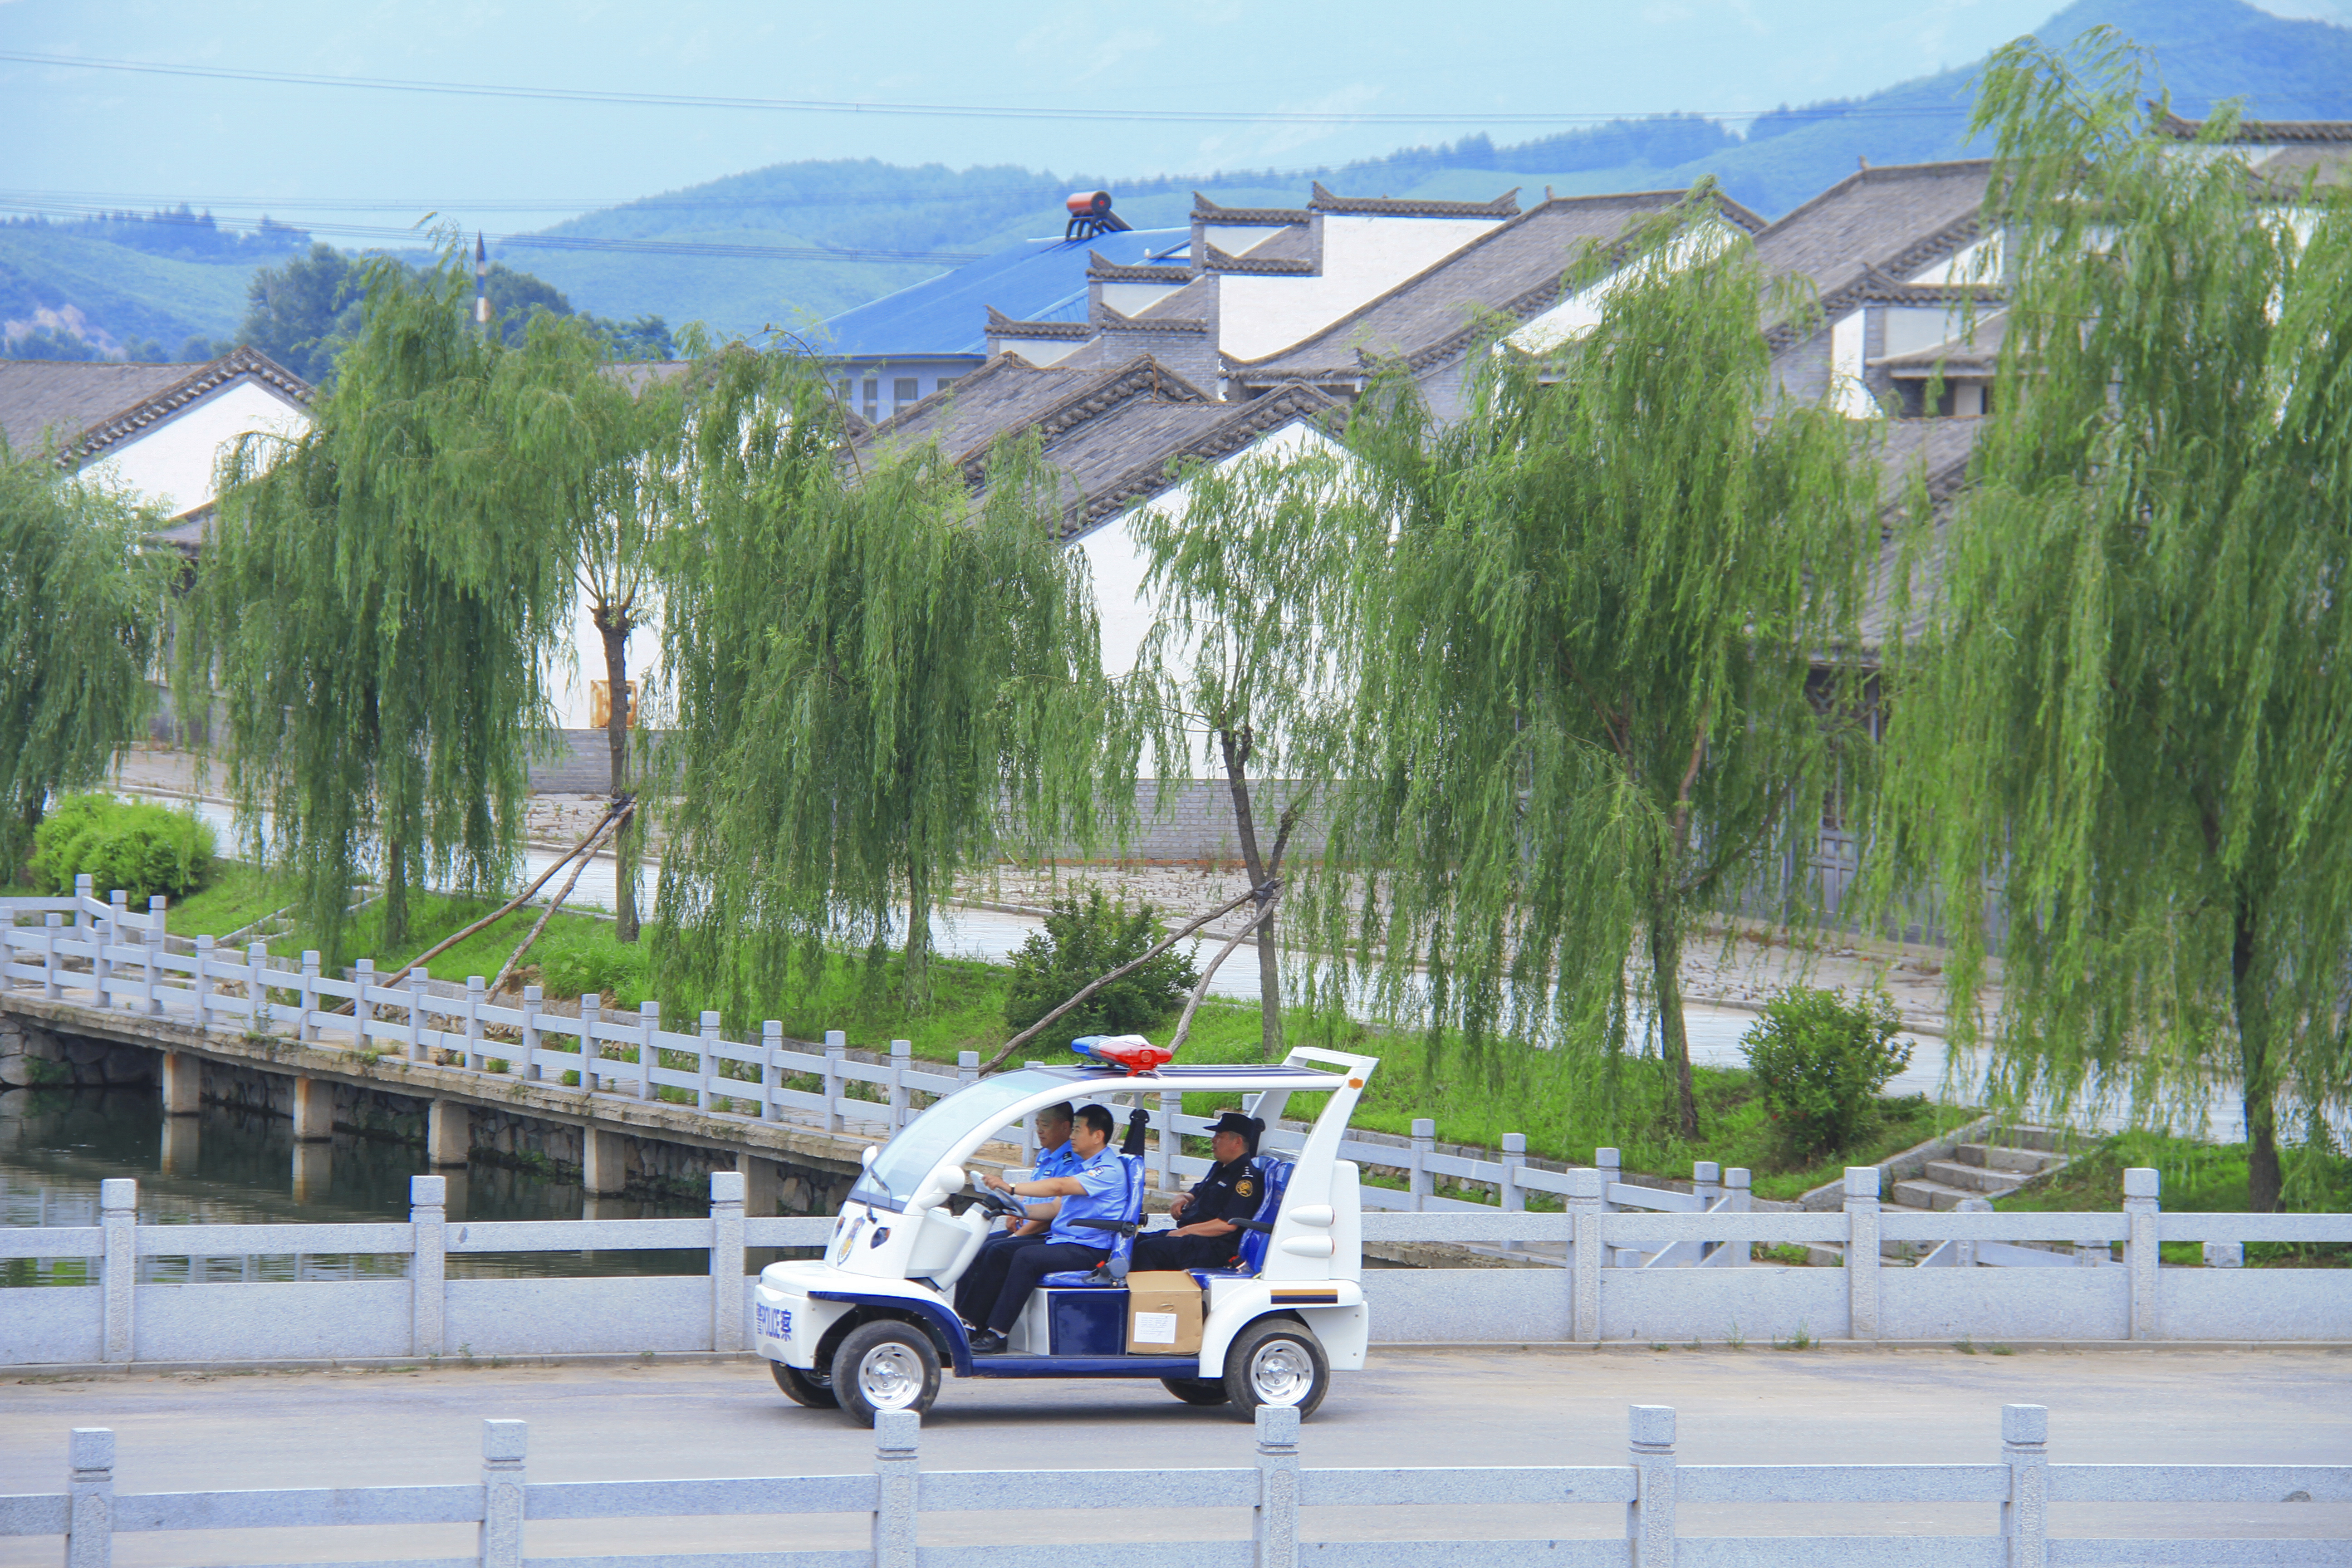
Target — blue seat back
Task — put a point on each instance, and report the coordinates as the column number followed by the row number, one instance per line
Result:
column 1274, row 1176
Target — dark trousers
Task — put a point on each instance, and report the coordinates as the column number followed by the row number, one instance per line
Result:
column 1164, row 1251
column 975, row 1293
column 1026, row 1266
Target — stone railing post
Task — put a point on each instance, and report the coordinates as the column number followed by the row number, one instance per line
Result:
column 419, row 980
column 200, row 1003
column 150, row 957
column 477, row 989
column 591, row 1009
column 1739, row 1197
column 118, row 1219
column 898, row 1470
column 2142, row 1257
column 727, row 1189
column 257, row 985
column 52, row 964
column 1649, row 1516
column 836, row 1046
column 1274, row 1528
column 900, row 1051
column 1585, row 1253
column 1861, row 1251
column 967, row 1069
column 532, row 997
column 306, row 1026
column 503, row 1446
column 89, row 1497
column 1425, row 1143
column 1706, row 1186
column 2025, row 1516
column 1607, row 1162
column 772, row 1071
column 108, row 932
column 648, row 1054
column 428, row 1267
column 1163, row 1157
column 85, row 892
column 1964, row 1253
column 706, row 1054
column 1513, row 1197
column 362, row 1009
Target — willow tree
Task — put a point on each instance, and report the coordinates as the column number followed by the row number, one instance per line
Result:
column 1249, row 585
column 879, row 680
column 2133, row 705
column 378, row 604
column 1584, row 709
column 82, row 601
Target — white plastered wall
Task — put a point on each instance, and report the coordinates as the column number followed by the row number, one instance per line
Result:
column 1976, row 263
column 1581, row 312
column 173, row 465
column 1363, row 257
column 1848, row 392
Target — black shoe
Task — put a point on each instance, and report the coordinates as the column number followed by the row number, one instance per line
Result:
column 987, row 1342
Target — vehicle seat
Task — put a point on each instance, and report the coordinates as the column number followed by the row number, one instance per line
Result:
column 1113, row 1271
column 1259, row 1230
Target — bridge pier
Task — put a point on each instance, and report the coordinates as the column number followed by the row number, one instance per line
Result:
column 314, row 1109
column 184, row 1083
column 604, row 1163
column 763, row 1185
column 449, row 1132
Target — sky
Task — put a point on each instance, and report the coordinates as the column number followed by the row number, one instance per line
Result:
column 1086, row 78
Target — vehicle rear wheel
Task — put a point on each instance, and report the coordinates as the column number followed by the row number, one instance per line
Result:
column 1197, row 1390
column 807, row 1388
column 884, row 1365
column 1276, row 1361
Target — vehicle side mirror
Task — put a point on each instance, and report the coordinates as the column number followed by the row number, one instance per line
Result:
column 944, row 1184
column 868, row 1158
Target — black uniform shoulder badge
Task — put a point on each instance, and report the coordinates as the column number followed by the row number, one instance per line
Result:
column 1245, row 1187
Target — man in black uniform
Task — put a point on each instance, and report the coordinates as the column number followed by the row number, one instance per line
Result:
column 1207, row 1235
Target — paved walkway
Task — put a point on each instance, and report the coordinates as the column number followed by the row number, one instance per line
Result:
column 1431, row 1407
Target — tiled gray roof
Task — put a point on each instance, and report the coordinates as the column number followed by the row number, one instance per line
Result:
column 1009, row 395
column 1001, row 325
column 1513, row 270
column 1899, row 219
column 1504, row 205
column 2262, row 132
column 1206, row 211
column 86, row 408
column 1131, row 453
column 1102, row 270
column 1216, row 261
column 1935, row 452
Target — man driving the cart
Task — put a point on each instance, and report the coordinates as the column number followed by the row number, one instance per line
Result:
column 1208, row 1230
column 1095, row 1189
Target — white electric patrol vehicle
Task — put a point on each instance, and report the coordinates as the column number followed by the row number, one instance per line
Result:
column 872, row 1325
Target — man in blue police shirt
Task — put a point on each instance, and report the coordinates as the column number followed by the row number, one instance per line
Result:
column 1054, row 1158
column 1208, row 1232
column 1096, row 1189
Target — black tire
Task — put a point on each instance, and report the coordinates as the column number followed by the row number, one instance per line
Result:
column 804, row 1388
column 884, row 1365
column 1197, row 1390
column 1274, row 1360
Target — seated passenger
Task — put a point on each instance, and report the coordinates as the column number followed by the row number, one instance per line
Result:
column 1207, row 1232
column 1096, row 1190
column 1054, row 1158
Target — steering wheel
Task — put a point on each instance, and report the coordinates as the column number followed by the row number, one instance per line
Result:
column 997, row 1203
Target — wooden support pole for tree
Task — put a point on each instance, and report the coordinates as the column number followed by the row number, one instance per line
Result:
column 587, row 853
column 1192, row 1002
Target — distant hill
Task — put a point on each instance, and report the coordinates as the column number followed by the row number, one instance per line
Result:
column 2208, row 49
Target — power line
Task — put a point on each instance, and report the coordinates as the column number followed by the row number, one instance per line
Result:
column 935, row 111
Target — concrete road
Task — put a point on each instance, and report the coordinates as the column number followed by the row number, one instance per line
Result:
column 1445, row 1407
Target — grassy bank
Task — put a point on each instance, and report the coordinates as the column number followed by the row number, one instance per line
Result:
column 2197, row 1178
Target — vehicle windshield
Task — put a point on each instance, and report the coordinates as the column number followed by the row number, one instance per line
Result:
column 898, row 1171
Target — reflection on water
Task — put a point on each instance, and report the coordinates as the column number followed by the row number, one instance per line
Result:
column 233, row 1166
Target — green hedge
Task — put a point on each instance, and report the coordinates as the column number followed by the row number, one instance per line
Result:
column 140, row 847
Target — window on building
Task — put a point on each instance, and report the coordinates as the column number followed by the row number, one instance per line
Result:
column 905, row 389
column 946, row 381
column 599, row 704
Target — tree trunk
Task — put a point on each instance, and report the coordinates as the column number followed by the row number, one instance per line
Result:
column 1674, row 1041
column 916, row 987
column 1237, row 747
column 614, row 627
column 2252, row 1013
column 395, row 894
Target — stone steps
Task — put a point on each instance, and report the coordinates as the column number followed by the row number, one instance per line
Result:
column 1983, row 1172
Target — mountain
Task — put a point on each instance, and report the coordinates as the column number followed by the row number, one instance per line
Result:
column 857, row 214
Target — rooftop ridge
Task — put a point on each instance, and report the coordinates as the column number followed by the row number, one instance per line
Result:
column 1206, row 211
column 1216, row 261
column 1877, row 173
column 1328, row 201
column 1292, row 400
column 1100, row 268
column 2261, row 131
column 1001, row 325
column 1140, row 378
column 132, row 420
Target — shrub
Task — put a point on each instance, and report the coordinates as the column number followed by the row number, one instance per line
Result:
column 138, row 846
column 599, row 962
column 1821, row 1060
column 1083, row 942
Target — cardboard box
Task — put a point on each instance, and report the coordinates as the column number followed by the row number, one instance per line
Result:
column 1163, row 1313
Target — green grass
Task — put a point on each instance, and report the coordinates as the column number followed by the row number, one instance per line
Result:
column 239, row 894
column 2196, row 1178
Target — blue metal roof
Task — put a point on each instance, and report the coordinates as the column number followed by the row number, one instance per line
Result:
column 1036, row 281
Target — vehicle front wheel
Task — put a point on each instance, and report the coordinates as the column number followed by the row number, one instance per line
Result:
column 807, row 1388
column 1276, row 1361
column 1197, row 1390
column 884, row 1365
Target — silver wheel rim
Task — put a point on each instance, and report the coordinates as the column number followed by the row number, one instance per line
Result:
column 1281, row 1371
column 890, row 1376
